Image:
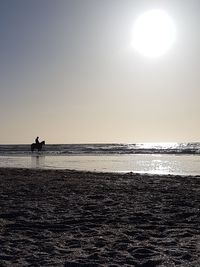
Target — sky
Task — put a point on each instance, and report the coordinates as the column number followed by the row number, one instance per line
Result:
column 68, row 73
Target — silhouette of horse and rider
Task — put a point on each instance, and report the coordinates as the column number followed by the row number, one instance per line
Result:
column 37, row 145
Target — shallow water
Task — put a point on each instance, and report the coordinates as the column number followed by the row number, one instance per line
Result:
column 140, row 163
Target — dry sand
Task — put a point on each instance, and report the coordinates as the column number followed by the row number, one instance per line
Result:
column 69, row 218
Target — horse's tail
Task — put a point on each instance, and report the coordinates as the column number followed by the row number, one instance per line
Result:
column 32, row 147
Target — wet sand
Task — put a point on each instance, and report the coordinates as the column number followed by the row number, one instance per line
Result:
column 70, row 218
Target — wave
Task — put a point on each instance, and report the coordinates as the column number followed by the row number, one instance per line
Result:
column 98, row 149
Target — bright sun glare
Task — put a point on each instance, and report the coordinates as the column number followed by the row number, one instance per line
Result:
column 153, row 33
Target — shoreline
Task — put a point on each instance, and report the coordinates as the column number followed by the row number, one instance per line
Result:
column 107, row 173
column 81, row 218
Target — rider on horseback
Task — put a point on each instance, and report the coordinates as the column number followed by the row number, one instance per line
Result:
column 37, row 145
column 37, row 141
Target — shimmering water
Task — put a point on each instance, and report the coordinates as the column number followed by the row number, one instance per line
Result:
column 141, row 163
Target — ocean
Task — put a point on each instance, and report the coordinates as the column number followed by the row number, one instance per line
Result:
column 154, row 158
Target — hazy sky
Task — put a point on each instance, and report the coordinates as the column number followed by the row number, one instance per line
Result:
column 68, row 73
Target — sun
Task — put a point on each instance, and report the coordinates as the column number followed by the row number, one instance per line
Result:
column 153, row 33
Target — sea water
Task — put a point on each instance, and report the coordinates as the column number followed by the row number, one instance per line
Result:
column 154, row 158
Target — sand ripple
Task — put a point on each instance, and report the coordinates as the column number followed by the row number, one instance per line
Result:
column 66, row 218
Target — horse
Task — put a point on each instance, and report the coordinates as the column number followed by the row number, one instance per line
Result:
column 37, row 146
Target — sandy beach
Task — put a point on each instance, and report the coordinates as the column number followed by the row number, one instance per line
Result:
column 70, row 218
